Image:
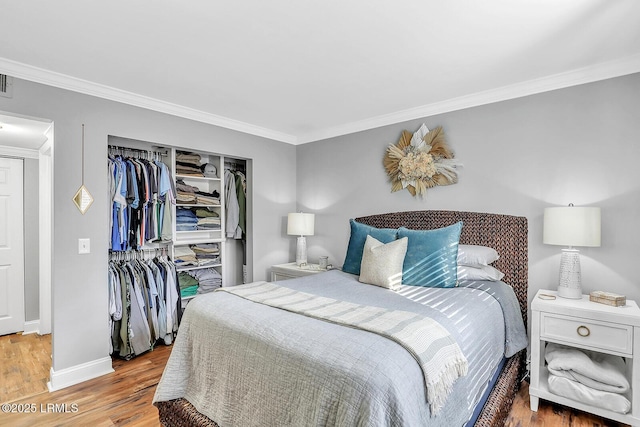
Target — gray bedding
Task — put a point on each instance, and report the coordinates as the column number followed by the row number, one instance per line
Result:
column 246, row 364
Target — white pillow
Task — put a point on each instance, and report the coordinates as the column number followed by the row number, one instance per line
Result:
column 382, row 263
column 485, row 272
column 476, row 256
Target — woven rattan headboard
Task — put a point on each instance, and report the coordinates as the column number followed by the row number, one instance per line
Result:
column 505, row 233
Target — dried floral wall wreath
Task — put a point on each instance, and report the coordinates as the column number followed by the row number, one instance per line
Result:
column 419, row 161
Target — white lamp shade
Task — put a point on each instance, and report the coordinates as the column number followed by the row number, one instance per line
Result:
column 572, row 226
column 300, row 224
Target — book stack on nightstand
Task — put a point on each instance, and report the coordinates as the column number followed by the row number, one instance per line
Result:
column 291, row 270
column 588, row 325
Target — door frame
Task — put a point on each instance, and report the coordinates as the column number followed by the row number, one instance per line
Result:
column 45, row 223
column 45, row 212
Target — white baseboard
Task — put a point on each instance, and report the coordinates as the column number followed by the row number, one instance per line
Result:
column 31, row 327
column 79, row 373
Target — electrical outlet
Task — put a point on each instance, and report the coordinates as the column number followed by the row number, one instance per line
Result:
column 84, row 246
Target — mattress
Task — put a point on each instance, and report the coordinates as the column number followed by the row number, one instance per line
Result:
column 242, row 363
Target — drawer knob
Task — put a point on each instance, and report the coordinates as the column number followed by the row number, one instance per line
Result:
column 583, row 331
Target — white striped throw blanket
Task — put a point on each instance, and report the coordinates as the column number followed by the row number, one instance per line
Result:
column 437, row 353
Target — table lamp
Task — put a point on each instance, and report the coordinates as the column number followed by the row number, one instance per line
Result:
column 301, row 224
column 571, row 226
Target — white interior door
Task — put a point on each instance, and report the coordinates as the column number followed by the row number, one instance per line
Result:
column 11, row 246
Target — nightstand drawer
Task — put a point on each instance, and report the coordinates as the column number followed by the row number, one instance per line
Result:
column 594, row 334
column 281, row 276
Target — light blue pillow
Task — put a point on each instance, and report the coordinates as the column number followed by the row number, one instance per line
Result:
column 431, row 258
column 359, row 233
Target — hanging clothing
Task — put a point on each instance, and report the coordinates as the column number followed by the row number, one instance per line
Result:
column 142, row 192
column 144, row 305
column 235, row 184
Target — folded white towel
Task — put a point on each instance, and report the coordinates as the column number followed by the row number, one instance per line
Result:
column 579, row 392
column 595, row 370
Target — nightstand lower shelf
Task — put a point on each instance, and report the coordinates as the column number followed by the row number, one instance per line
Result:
column 542, row 392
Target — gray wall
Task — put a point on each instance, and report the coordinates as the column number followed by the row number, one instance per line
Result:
column 577, row 145
column 574, row 145
column 79, row 282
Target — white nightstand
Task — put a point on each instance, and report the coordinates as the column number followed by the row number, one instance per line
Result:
column 291, row 270
column 592, row 326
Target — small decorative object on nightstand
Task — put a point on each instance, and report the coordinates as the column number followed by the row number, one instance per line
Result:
column 571, row 226
column 291, row 270
column 582, row 324
column 608, row 298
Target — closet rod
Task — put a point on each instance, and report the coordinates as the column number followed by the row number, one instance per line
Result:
column 237, row 164
column 134, row 151
column 141, row 254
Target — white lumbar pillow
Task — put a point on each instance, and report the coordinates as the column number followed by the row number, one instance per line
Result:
column 382, row 263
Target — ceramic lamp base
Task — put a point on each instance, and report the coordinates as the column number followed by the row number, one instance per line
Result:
column 570, row 285
column 301, row 251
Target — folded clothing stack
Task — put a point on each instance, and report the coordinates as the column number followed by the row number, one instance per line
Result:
column 191, row 195
column 209, row 223
column 188, row 284
column 206, row 253
column 208, row 278
column 188, row 164
column 589, row 377
column 186, row 220
column 185, row 193
column 200, row 281
column 202, row 254
column 184, row 256
column 206, row 213
column 204, row 198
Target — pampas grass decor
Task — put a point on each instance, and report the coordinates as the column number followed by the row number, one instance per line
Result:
column 420, row 160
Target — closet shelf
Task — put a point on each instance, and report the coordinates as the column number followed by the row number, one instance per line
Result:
column 197, row 178
column 197, row 267
column 197, row 205
column 207, row 232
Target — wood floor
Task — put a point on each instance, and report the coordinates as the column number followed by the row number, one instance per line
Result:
column 123, row 398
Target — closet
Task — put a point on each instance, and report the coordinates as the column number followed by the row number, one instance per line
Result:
column 178, row 207
column 235, row 185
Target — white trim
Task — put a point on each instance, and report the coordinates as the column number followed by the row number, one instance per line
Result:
column 602, row 71
column 79, row 373
column 63, row 81
column 17, row 152
column 45, row 226
column 31, row 327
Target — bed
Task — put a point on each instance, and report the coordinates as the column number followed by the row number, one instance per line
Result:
column 506, row 234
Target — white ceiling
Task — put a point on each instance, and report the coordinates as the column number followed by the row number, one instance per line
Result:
column 299, row 71
column 22, row 132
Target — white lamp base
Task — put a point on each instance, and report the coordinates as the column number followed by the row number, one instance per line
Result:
column 570, row 285
column 301, row 251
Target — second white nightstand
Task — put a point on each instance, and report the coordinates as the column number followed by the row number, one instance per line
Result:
column 291, row 270
column 588, row 325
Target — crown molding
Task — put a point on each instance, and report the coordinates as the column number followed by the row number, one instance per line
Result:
column 602, row 71
column 18, row 152
column 575, row 77
column 63, row 81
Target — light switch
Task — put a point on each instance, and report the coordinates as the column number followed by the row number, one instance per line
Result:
column 84, row 246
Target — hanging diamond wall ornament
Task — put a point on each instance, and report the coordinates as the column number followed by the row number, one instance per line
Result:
column 83, row 199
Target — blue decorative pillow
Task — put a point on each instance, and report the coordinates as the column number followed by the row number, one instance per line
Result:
column 359, row 233
column 431, row 258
